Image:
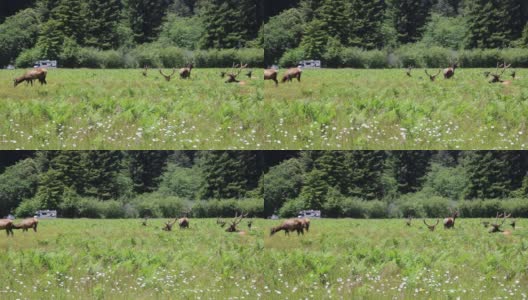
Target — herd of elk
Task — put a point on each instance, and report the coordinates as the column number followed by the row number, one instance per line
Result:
column 290, row 225
column 36, row 74
column 25, row 225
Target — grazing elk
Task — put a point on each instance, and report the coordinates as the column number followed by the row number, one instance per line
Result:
column 496, row 77
column 183, row 223
column 409, row 70
column 186, row 72
column 232, row 75
column 233, row 226
column 432, row 77
column 36, row 74
column 431, row 227
column 292, row 73
column 145, row 71
column 271, row 74
column 495, row 227
column 450, row 72
column 27, row 223
column 450, row 221
column 167, row 77
column 288, row 226
column 7, row 225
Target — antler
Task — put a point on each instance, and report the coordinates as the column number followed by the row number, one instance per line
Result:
column 431, row 227
column 167, row 77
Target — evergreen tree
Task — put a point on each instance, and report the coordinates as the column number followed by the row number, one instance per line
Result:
column 145, row 168
column 101, row 171
column 314, row 39
column 409, row 169
column 488, row 173
column 101, row 23
column 409, row 17
column 335, row 19
column 315, row 189
column 51, row 189
column 365, row 171
column 145, row 18
column 70, row 17
column 366, row 23
column 331, row 165
column 50, row 40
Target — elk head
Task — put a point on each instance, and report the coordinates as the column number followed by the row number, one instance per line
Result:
column 496, row 77
column 431, row 227
column 168, row 225
column 432, row 77
column 232, row 75
column 233, row 226
column 167, row 77
column 495, row 227
column 250, row 224
column 249, row 74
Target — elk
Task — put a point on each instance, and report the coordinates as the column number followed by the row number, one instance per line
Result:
column 27, row 223
column 233, row 226
column 409, row 221
column 450, row 221
column 144, row 223
column 29, row 76
column 249, row 74
column 431, row 227
column 289, row 225
column 183, row 223
column 496, row 77
column 495, row 227
column 271, row 74
column 292, row 73
column 145, row 71
column 250, row 224
column 167, row 77
column 186, row 72
column 409, row 70
column 306, row 223
column 450, row 72
column 7, row 225
column 512, row 224
column 231, row 76
column 432, row 77
column 168, row 225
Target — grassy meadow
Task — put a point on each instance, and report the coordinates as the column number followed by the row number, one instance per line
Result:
column 385, row 259
column 121, row 259
column 385, row 109
column 122, row 109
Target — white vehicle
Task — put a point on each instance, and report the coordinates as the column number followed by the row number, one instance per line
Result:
column 45, row 64
column 309, row 214
column 310, row 64
column 46, row 214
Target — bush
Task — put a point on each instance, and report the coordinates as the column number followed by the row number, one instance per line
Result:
column 112, row 209
column 291, row 208
column 27, row 58
column 156, row 205
column 181, row 182
column 227, row 208
column 354, row 208
column 352, row 58
column 376, row 209
column 291, row 58
column 27, row 208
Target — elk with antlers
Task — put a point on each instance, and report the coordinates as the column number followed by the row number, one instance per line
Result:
column 232, row 75
column 7, row 225
column 291, row 74
column 26, row 224
column 432, row 77
column 233, row 226
column 288, row 226
column 450, row 221
column 271, row 74
column 186, row 72
column 431, row 227
column 168, row 225
column 36, row 74
column 495, row 227
column 450, row 72
column 496, row 77
column 167, row 77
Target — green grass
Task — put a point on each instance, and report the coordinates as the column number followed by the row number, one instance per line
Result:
column 384, row 109
column 121, row 259
column 121, row 109
column 385, row 259
column 337, row 259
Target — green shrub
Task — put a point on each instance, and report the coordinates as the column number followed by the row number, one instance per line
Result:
column 27, row 208
column 376, row 209
column 291, row 208
column 27, row 58
column 291, row 58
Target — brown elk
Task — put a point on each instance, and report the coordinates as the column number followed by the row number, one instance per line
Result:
column 144, row 223
column 271, row 74
column 168, row 225
column 450, row 72
column 167, row 77
column 183, row 223
column 450, row 221
column 232, row 75
column 27, row 223
column 306, row 224
column 432, row 77
column 186, row 72
column 409, row 70
column 233, row 226
column 496, row 77
column 288, row 226
column 7, row 225
column 292, row 73
column 431, row 227
column 29, row 76
column 495, row 227
column 250, row 224
column 145, row 71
